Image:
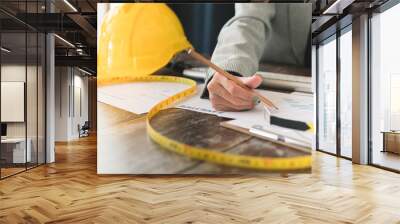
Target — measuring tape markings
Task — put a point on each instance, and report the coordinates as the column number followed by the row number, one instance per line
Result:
column 243, row 161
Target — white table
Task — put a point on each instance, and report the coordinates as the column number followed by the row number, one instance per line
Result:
column 19, row 154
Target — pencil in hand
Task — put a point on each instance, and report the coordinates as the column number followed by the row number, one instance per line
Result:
column 231, row 77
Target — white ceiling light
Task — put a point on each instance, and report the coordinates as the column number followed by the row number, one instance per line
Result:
column 79, row 51
column 70, row 5
column 5, row 50
column 337, row 7
column 84, row 71
column 65, row 41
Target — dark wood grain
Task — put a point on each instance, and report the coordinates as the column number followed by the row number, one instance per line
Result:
column 124, row 147
column 197, row 129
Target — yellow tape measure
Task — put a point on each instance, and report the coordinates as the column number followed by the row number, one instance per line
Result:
column 236, row 160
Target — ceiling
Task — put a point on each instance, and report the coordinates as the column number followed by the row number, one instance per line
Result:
column 74, row 22
column 332, row 15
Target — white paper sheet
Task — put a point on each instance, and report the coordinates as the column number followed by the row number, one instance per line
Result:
column 195, row 103
column 137, row 98
column 296, row 106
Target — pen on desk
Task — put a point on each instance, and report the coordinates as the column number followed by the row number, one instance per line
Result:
column 231, row 77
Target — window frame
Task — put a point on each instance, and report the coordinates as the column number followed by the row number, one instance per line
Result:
column 333, row 37
column 27, row 29
column 378, row 10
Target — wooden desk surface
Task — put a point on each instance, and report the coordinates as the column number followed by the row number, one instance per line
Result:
column 14, row 140
column 124, row 147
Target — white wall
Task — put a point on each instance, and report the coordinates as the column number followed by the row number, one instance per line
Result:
column 12, row 73
column 70, row 83
column 62, row 81
column 82, row 82
column 12, row 101
column 33, row 126
column 80, row 100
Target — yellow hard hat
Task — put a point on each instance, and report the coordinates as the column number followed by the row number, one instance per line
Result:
column 137, row 39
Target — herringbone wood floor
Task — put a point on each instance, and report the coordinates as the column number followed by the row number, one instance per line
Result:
column 69, row 191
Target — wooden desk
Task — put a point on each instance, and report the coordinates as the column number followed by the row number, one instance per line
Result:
column 124, row 147
column 13, row 151
column 391, row 141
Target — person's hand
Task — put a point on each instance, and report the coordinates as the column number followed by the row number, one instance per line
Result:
column 225, row 95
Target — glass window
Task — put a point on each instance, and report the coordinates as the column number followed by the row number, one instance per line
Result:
column 327, row 96
column 346, row 93
column 14, row 153
column 22, row 91
column 385, row 89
